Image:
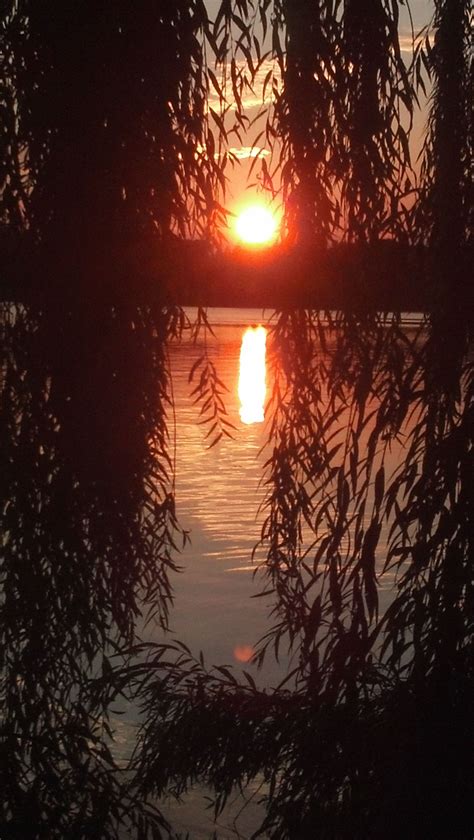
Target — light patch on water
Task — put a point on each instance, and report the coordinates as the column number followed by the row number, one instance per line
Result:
column 252, row 375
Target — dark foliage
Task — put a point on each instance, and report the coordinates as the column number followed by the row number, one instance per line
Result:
column 371, row 434
column 105, row 159
column 375, row 739
column 99, row 156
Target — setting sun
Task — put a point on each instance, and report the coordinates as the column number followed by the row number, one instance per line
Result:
column 256, row 225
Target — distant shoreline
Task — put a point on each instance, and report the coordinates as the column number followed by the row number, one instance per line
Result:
column 384, row 276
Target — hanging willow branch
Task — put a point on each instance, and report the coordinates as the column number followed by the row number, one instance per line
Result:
column 104, row 113
column 106, row 159
column 367, row 485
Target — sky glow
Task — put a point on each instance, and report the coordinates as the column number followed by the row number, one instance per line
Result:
column 256, row 225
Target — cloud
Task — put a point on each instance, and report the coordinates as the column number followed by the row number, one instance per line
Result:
column 408, row 42
column 245, row 152
column 268, row 77
column 260, row 93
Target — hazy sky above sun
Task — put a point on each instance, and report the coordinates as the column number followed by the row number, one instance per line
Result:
column 244, row 152
column 421, row 11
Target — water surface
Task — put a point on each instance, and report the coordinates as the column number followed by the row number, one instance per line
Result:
column 219, row 492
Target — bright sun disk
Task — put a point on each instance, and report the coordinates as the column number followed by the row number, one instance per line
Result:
column 256, row 225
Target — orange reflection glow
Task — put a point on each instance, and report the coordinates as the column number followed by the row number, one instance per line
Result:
column 243, row 653
column 252, row 387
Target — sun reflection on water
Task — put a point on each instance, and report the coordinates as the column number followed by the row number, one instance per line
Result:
column 243, row 653
column 252, row 384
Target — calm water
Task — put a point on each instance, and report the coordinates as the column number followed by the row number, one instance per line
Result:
column 219, row 491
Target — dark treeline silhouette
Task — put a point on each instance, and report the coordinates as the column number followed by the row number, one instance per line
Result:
column 111, row 152
column 382, row 276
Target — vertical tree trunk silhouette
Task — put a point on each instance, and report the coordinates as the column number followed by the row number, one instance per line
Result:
column 447, row 203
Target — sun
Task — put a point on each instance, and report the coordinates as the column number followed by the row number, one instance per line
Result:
column 256, row 225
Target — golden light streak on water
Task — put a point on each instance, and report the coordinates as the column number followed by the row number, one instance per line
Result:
column 252, row 385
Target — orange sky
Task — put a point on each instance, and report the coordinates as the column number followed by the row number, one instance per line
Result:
column 244, row 153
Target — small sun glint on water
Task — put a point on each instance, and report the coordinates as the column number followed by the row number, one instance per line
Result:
column 252, row 386
column 256, row 225
column 243, row 653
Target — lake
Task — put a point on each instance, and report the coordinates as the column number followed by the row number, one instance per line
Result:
column 219, row 491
